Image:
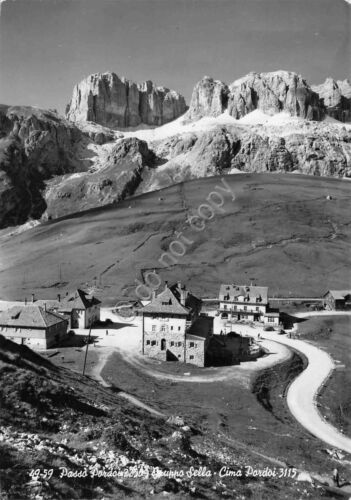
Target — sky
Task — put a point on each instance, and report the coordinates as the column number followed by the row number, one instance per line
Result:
column 47, row 46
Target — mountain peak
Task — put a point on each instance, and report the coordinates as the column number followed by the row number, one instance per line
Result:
column 116, row 102
column 272, row 93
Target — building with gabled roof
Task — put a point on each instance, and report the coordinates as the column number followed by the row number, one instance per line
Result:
column 336, row 300
column 33, row 325
column 80, row 308
column 246, row 303
column 167, row 321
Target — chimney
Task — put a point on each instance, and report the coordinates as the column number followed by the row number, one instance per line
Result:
column 45, row 306
column 33, row 297
column 25, row 301
column 183, row 295
column 166, row 285
column 59, row 297
column 179, row 283
column 153, row 295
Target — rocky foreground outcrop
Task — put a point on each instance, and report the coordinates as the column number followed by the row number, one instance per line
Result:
column 118, row 103
column 270, row 92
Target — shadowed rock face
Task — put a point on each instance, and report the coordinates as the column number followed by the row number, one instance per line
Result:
column 34, row 146
column 270, row 92
column 118, row 103
column 39, row 150
column 336, row 96
column 121, row 175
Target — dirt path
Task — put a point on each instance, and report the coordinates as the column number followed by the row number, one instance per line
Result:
column 277, row 354
column 301, row 397
column 104, row 353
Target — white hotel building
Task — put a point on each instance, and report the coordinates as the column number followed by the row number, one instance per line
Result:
column 248, row 303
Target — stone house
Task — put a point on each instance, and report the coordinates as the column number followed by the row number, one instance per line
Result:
column 246, row 303
column 167, row 328
column 33, row 326
column 80, row 308
column 337, row 300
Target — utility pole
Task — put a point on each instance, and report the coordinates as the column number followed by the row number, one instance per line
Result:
column 86, row 351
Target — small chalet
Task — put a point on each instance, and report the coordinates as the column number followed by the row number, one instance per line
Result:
column 247, row 303
column 337, row 300
column 80, row 308
column 168, row 327
column 33, row 326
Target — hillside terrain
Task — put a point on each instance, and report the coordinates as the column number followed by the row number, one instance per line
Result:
column 53, row 419
column 291, row 233
column 119, row 139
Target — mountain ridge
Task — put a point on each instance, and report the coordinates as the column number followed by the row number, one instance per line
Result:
column 51, row 166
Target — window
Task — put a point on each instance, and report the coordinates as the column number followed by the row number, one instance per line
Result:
column 163, row 328
column 148, row 342
column 235, row 308
column 171, row 327
column 191, row 357
column 179, row 355
column 178, row 328
column 172, row 344
column 153, row 342
column 191, row 344
column 179, row 344
column 271, row 320
column 257, row 308
column 245, row 308
column 225, row 306
column 153, row 328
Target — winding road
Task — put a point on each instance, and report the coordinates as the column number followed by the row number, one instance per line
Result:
column 301, row 397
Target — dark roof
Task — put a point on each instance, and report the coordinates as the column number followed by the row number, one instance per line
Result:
column 235, row 293
column 166, row 303
column 191, row 302
column 189, row 336
column 77, row 300
column 29, row 316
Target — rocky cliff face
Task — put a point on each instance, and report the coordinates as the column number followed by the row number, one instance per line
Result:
column 118, row 103
column 50, row 168
column 34, row 146
column 269, row 92
column 308, row 148
column 336, row 96
column 120, row 176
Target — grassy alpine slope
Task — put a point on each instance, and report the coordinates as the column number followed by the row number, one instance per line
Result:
column 280, row 231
